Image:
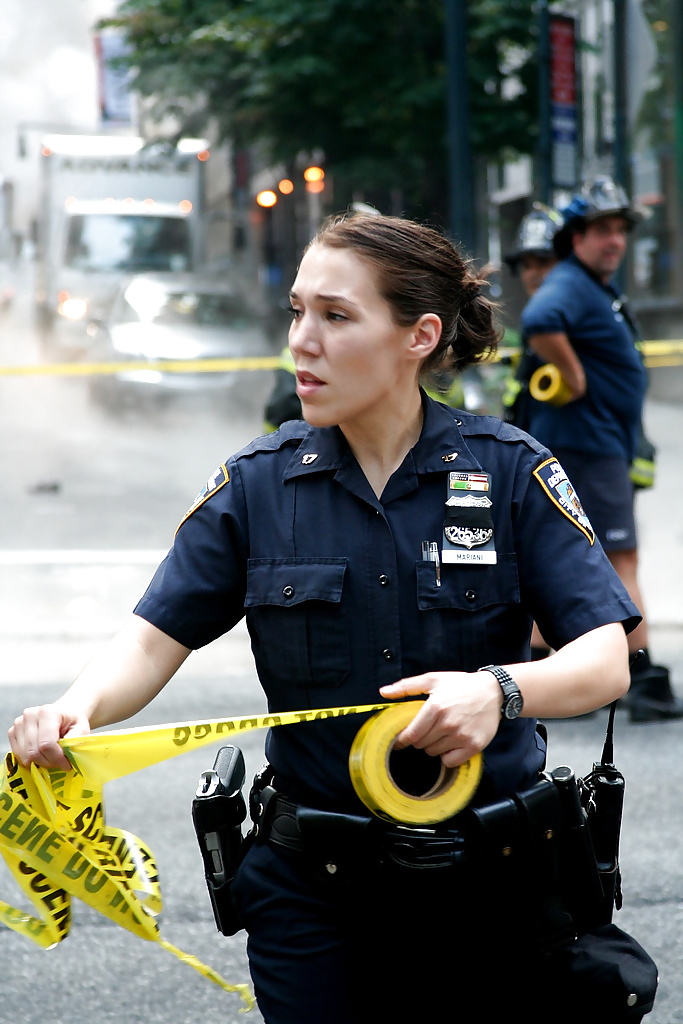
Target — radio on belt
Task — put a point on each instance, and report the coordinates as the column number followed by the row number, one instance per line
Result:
column 218, row 811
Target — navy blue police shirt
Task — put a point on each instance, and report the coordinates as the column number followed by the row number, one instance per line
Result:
column 606, row 420
column 338, row 600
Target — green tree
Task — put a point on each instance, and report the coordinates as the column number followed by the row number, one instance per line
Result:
column 362, row 80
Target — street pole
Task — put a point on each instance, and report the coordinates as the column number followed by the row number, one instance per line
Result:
column 460, row 165
column 621, row 146
column 677, row 43
column 622, row 164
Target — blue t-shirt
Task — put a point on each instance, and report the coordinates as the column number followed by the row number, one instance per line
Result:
column 338, row 600
column 606, row 420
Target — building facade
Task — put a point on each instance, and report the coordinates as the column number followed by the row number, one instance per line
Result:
column 628, row 121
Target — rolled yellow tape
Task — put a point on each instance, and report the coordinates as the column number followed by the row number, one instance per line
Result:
column 369, row 765
column 548, row 385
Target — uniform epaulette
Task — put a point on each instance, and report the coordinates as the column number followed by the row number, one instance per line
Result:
column 289, row 434
column 490, row 426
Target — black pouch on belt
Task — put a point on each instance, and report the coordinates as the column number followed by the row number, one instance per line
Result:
column 605, row 974
column 218, row 811
column 515, row 842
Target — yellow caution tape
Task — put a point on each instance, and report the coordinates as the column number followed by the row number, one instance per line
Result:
column 101, row 757
column 57, row 845
column 661, row 348
column 369, row 764
column 163, row 366
column 654, row 361
column 548, row 385
column 656, row 353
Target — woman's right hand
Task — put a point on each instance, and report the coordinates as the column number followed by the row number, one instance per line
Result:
column 34, row 737
column 118, row 681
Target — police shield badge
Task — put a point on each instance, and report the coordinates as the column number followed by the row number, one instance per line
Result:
column 468, row 526
column 559, row 489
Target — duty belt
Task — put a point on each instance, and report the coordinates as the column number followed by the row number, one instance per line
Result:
column 335, row 837
column 489, row 844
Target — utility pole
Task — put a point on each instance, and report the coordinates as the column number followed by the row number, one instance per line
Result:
column 622, row 160
column 677, row 43
column 460, row 164
column 622, row 163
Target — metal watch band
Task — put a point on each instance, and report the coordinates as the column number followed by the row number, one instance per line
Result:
column 513, row 701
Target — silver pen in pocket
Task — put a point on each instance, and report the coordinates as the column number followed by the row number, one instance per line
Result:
column 434, row 557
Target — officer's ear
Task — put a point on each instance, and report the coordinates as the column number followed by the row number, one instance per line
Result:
column 424, row 336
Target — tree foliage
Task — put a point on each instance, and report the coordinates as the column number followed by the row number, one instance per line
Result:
column 362, row 80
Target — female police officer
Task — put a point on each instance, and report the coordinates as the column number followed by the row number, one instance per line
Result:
column 316, row 533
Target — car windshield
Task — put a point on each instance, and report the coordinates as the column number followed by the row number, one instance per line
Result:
column 151, row 302
column 205, row 309
column 125, row 242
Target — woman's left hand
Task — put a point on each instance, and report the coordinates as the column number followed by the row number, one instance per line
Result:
column 459, row 718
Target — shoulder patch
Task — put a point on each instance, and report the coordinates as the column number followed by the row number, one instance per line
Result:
column 219, row 479
column 558, row 487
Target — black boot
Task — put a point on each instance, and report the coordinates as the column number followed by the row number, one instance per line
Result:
column 651, row 698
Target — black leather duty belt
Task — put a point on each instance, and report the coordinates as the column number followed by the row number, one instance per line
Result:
column 331, row 836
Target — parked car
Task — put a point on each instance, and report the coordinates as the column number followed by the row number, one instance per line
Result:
column 168, row 318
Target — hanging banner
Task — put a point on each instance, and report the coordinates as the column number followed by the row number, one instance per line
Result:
column 115, row 97
column 563, row 101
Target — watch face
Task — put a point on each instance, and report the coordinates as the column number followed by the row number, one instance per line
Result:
column 514, row 705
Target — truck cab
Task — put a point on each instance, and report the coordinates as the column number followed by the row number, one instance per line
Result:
column 103, row 241
column 112, row 207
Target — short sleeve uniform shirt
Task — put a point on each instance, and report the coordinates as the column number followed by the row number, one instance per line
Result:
column 338, row 600
column 606, row 420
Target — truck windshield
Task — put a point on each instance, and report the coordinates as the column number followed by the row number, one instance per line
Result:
column 125, row 242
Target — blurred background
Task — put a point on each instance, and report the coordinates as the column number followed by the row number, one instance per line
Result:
column 275, row 114
column 162, row 164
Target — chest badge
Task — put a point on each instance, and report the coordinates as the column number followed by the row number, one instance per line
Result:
column 468, row 524
column 464, row 528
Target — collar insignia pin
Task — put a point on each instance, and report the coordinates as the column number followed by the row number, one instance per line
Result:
column 308, row 459
column 450, row 458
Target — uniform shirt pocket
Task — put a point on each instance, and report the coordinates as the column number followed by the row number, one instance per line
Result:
column 474, row 616
column 468, row 587
column 298, row 625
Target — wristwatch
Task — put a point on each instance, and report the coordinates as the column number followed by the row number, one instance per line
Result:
column 513, row 702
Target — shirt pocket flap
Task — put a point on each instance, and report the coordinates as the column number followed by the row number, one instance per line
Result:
column 468, row 588
column 289, row 581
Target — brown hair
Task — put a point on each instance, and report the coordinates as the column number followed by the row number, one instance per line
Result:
column 420, row 271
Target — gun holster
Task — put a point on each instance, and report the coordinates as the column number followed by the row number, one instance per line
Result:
column 218, row 810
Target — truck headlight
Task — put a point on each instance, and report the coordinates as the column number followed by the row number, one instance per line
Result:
column 73, row 309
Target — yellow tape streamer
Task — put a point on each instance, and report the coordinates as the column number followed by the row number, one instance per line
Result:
column 55, row 841
column 548, row 385
column 57, row 845
column 374, row 784
column 165, row 365
column 656, row 353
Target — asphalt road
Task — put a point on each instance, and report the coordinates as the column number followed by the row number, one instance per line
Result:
column 89, row 500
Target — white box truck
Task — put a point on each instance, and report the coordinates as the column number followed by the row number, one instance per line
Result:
column 111, row 207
